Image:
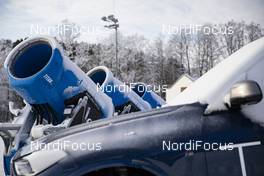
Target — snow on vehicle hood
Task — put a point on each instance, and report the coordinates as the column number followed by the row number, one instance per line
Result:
column 213, row 87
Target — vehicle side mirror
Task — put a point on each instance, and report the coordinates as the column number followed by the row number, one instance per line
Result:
column 245, row 93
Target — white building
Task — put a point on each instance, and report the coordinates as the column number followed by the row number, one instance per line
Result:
column 182, row 83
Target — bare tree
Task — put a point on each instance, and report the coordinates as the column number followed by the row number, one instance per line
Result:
column 235, row 39
column 179, row 46
column 68, row 32
column 208, row 50
column 254, row 31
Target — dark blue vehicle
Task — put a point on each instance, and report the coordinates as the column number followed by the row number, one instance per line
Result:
column 133, row 145
column 206, row 132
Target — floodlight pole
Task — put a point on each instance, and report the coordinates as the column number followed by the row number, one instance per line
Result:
column 114, row 26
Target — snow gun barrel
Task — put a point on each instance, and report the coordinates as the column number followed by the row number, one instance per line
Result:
column 40, row 73
column 121, row 94
column 148, row 95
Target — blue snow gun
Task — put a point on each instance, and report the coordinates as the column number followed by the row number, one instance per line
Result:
column 40, row 73
column 122, row 95
column 148, row 95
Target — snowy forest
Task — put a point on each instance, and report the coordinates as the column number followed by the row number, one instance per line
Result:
column 158, row 61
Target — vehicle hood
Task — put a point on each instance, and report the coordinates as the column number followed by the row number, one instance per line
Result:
column 213, row 86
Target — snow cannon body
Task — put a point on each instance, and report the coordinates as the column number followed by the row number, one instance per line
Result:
column 40, row 73
column 148, row 95
column 122, row 95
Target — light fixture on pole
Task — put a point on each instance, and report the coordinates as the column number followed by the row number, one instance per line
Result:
column 114, row 25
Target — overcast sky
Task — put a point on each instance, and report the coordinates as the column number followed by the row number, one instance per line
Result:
column 146, row 17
